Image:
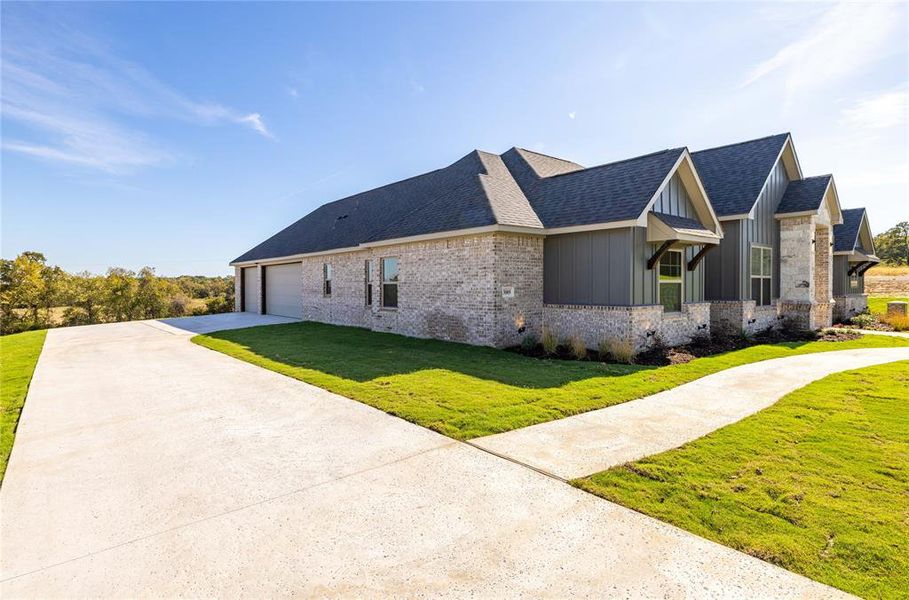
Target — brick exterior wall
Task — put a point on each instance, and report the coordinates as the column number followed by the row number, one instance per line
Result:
column 848, row 306
column 639, row 325
column 450, row 289
column 238, row 289
column 732, row 317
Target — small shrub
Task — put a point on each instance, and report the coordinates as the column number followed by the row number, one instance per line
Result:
column 864, row 320
column 620, row 350
column 529, row 343
column 577, row 347
column 549, row 341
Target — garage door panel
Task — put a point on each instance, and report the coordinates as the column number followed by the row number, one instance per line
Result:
column 250, row 289
column 284, row 290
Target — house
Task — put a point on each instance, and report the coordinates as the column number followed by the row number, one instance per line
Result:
column 853, row 254
column 494, row 247
column 775, row 259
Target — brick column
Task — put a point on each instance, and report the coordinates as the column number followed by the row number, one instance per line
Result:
column 823, row 281
column 260, row 280
column 238, row 289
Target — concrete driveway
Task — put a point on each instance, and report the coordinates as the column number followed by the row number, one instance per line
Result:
column 148, row 466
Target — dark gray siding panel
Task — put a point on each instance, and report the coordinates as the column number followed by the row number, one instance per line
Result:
column 674, row 200
column 764, row 228
column 840, row 268
column 643, row 281
column 591, row 267
column 723, row 265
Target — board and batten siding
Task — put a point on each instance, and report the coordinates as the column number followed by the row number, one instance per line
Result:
column 609, row 267
column 841, row 287
column 728, row 268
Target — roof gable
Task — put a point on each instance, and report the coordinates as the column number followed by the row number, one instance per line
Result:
column 805, row 195
column 614, row 192
column 735, row 175
column 854, row 233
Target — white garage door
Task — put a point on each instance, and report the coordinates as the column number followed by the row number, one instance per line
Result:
column 284, row 290
column 250, row 289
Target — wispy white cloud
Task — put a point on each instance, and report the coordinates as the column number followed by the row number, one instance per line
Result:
column 254, row 120
column 881, row 111
column 293, row 93
column 571, row 115
column 417, row 87
column 80, row 104
column 844, row 39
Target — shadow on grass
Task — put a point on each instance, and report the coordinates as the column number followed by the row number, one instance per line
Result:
column 362, row 355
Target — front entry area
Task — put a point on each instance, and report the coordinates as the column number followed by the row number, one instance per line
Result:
column 284, row 290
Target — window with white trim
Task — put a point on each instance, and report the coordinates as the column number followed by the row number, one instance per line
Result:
column 670, row 281
column 326, row 279
column 389, row 282
column 367, row 279
column 854, row 281
column 761, row 274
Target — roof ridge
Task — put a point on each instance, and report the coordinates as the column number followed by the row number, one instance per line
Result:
column 519, row 149
column 766, row 137
column 624, row 160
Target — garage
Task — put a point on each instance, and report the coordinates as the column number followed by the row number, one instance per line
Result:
column 250, row 289
column 284, row 290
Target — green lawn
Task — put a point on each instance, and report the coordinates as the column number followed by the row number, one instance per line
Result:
column 466, row 391
column 878, row 304
column 818, row 483
column 18, row 357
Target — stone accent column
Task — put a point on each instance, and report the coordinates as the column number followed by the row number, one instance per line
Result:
column 797, row 266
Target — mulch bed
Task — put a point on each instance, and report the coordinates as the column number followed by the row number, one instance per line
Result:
column 705, row 346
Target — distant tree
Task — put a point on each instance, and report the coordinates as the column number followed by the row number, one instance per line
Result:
column 892, row 246
column 119, row 294
column 84, row 295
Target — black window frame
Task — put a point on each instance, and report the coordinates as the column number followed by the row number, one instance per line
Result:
column 388, row 300
column 367, row 280
column 326, row 279
column 671, row 279
column 764, row 281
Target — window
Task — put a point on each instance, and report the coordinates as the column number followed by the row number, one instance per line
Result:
column 367, row 279
column 761, row 271
column 670, row 281
column 853, row 281
column 326, row 279
column 389, row 282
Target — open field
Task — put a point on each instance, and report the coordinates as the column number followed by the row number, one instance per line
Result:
column 467, row 391
column 816, row 483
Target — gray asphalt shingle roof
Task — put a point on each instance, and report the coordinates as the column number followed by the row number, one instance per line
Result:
column 804, row 195
column 519, row 188
column 734, row 175
column 474, row 191
column 846, row 235
column 616, row 191
column 677, row 222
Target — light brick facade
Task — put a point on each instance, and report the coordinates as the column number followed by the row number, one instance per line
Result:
column 478, row 289
column 848, row 306
column 642, row 326
column 732, row 317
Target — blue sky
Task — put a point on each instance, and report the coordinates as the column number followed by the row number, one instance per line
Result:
column 180, row 135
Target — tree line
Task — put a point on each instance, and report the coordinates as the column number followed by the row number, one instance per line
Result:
column 37, row 295
column 892, row 246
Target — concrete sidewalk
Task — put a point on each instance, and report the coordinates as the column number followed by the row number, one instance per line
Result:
column 148, row 466
column 597, row 440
